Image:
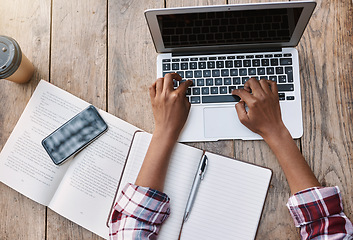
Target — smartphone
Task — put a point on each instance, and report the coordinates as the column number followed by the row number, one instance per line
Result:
column 74, row 135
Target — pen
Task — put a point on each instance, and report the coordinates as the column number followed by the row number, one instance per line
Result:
column 195, row 186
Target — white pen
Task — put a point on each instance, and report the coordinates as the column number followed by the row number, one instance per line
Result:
column 195, row 186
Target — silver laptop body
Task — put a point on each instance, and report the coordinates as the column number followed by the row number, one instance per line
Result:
column 220, row 48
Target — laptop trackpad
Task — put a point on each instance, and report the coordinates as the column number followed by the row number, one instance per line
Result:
column 223, row 123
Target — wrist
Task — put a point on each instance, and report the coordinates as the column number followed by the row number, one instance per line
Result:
column 165, row 135
column 277, row 136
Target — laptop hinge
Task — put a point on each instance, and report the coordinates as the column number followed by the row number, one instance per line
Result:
column 193, row 53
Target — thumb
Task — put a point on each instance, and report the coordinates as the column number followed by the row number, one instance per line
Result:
column 242, row 114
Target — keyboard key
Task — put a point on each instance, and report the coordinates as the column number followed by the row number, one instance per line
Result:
column 273, row 78
column 193, row 65
column 220, row 64
column 211, row 64
column 289, row 72
column 184, row 66
column 279, row 70
column 265, row 62
column 231, row 57
column 184, row 59
column 193, row 82
column 261, row 71
column 221, row 58
column 200, row 82
column 212, row 58
column 241, row 87
column 238, row 63
column 274, row 62
column 209, row 81
column 287, row 55
column 220, row 99
column 196, row 91
column 216, row 73
column 194, row 59
column 236, row 80
column 278, row 55
column 282, row 79
column 281, row 96
column 244, row 79
column 166, row 60
column 206, row 73
column 224, row 72
column 229, row 64
column 256, row 63
column 181, row 73
column 285, row 87
column 243, row 72
column 189, row 74
column 202, row 65
column 227, row 81
column 286, row 61
column 231, row 88
column 194, row 100
column 290, row 98
column 205, row 91
column 164, row 73
column 198, row 74
column 223, row 90
column 247, row 63
column 214, row 90
column 175, row 66
column 166, row 66
column 268, row 55
column 270, row 70
column 175, row 60
column 250, row 56
column 218, row 81
column 252, row 71
column 259, row 56
column 203, row 58
column 188, row 91
column 240, row 57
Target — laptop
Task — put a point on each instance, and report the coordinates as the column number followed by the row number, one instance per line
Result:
column 219, row 48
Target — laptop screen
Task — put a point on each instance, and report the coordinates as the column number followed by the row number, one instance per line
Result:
column 228, row 27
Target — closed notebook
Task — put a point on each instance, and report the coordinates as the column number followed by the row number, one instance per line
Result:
column 229, row 201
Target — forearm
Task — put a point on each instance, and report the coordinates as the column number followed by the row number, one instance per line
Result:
column 297, row 171
column 155, row 165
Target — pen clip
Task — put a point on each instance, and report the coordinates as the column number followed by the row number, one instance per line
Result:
column 203, row 167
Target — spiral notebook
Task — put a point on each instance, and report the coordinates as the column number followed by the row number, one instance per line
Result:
column 229, row 201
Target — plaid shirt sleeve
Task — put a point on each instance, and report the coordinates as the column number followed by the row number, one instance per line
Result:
column 319, row 214
column 138, row 213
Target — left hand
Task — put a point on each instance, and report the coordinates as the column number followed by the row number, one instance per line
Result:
column 170, row 107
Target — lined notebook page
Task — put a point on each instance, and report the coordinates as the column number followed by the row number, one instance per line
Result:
column 229, row 202
column 181, row 172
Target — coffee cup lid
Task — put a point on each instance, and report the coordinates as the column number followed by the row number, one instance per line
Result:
column 10, row 56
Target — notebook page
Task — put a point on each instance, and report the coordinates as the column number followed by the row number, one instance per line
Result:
column 229, row 202
column 181, row 172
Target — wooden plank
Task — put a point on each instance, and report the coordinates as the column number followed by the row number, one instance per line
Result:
column 275, row 222
column 131, row 62
column 326, row 74
column 78, row 65
column 29, row 23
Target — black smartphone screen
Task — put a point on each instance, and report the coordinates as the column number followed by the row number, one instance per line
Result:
column 74, row 135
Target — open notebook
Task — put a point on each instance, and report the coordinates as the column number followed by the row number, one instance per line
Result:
column 228, row 204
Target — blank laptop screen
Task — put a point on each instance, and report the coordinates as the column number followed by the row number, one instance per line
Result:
column 228, row 27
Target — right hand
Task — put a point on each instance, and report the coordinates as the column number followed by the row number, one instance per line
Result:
column 264, row 114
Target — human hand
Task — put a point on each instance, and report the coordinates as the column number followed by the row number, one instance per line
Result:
column 264, row 114
column 170, row 107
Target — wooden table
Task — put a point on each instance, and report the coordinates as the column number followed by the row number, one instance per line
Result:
column 102, row 52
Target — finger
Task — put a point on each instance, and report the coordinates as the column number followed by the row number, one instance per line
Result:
column 159, row 85
column 274, row 88
column 184, row 86
column 254, row 85
column 243, row 94
column 152, row 90
column 168, row 84
column 265, row 86
column 241, row 111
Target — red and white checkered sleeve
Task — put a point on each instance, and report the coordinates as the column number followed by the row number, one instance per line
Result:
column 139, row 213
column 319, row 212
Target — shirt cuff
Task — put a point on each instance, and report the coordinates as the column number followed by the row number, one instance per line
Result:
column 314, row 203
column 144, row 204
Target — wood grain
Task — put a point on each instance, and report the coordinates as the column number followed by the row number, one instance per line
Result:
column 28, row 22
column 326, row 73
column 131, row 62
column 78, row 65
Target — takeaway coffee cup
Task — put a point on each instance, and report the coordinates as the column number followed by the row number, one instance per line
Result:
column 14, row 65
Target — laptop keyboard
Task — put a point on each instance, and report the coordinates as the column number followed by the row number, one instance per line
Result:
column 215, row 77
